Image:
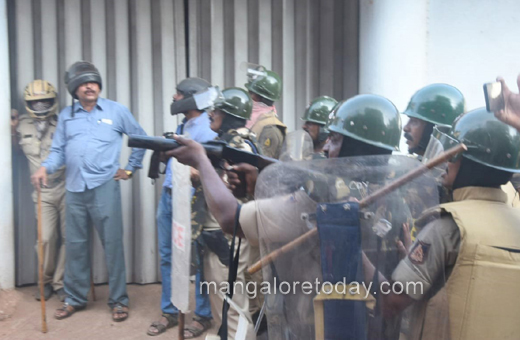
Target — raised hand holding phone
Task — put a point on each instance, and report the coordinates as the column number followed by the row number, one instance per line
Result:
column 510, row 114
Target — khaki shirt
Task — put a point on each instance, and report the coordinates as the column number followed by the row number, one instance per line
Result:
column 272, row 223
column 37, row 150
column 271, row 133
column 277, row 219
column 431, row 257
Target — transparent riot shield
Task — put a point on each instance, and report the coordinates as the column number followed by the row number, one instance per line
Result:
column 440, row 141
column 324, row 288
column 297, row 146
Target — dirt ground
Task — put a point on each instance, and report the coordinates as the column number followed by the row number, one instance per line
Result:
column 20, row 316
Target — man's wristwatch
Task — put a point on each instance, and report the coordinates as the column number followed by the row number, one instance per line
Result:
column 129, row 173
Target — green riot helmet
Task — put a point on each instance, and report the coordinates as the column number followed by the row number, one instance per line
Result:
column 489, row 141
column 438, row 104
column 319, row 109
column 369, row 118
column 267, row 85
column 236, row 102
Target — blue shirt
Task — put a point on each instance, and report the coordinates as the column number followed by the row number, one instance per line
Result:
column 198, row 129
column 89, row 144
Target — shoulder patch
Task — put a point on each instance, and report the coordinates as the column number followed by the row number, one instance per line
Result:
column 267, row 142
column 419, row 252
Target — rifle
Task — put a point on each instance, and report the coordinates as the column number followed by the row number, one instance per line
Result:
column 216, row 151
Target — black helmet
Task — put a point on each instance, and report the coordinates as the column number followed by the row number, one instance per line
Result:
column 81, row 72
column 189, row 86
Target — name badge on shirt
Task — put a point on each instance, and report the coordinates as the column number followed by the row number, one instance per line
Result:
column 106, row 121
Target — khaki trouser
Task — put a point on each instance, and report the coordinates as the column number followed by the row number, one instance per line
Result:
column 215, row 271
column 53, row 215
column 256, row 301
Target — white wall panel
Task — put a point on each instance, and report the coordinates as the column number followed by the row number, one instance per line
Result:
column 49, row 31
column 240, row 22
column 169, row 42
column 25, row 47
column 265, row 33
column 288, row 75
column 7, row 230
column 122, row 95
column 217, row 42
column 147, row 206
column 73, row 43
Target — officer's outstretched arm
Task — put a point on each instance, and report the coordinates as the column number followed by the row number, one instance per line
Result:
column 391, row 303
column 221, row 202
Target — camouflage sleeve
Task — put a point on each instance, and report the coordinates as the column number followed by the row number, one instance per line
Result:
column 435, row 249
column 270, row 141
column 515, row 180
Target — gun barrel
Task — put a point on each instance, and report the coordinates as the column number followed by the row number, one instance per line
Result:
column 216, row 150
column 152, row 143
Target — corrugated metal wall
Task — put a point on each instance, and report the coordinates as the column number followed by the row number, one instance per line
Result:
column 140, row 49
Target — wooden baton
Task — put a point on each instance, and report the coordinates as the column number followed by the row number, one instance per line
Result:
column 40, row 263
column 441, row 158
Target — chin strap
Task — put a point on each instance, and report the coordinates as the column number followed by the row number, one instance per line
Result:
column 72, row 112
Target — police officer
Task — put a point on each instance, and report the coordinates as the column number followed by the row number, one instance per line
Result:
column 435, row 104
column 315, row 118
column 472, row 249
column 196, row 124
column 363, row 125
column 228, row 119
column 265, row 89
column 34, row 133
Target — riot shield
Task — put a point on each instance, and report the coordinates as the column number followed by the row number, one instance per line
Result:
column 440, row 141
column 322, row 288
column 297, row 146
column 181, row 236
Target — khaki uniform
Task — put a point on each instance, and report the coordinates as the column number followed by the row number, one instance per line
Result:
column 271, row 133
column 53, row 198
column 216, row 271
column 475, row 245
column 268, row 219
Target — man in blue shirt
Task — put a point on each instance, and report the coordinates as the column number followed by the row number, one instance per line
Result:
column 88, row 141
column 195, row 124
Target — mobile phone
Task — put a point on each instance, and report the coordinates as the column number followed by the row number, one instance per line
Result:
column 494, row 96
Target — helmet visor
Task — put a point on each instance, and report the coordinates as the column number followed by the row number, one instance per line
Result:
column 253, row 71
column 212, row 96
column 440, row 141
column 41, row 107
